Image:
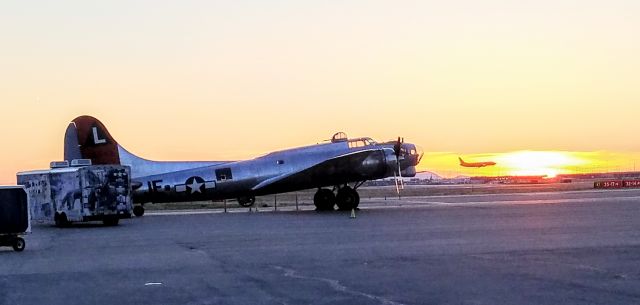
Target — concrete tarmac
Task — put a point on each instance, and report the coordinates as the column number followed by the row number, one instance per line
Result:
column 547, row 248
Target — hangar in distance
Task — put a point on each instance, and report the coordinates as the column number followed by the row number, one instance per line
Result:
column 336, row 168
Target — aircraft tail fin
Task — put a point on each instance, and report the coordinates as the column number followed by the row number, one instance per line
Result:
column 87, row 138
column 461, row 161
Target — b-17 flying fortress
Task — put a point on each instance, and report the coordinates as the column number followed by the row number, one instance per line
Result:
column 336, row 168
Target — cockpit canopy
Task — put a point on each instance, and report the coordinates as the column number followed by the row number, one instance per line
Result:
column 409, row 154
column 353, row 143
column 339, row 137
column 361, row 142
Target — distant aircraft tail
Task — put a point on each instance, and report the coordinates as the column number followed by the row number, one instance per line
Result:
column 88, row 138
column 461, row 161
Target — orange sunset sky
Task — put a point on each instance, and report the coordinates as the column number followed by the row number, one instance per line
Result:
column 541, row 87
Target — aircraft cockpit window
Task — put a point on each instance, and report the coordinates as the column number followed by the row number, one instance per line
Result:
column 280, row 162
column 355, row 143
column 223, row 174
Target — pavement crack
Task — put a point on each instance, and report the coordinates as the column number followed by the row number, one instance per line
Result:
column 335, row 285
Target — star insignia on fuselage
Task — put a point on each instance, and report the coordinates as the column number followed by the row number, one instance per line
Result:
column 195, row 185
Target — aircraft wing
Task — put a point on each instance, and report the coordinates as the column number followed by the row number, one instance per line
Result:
column 270, row 181
column 338, row 170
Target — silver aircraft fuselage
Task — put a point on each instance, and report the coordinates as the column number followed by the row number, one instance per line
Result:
column 278, row 172
column 336, row 163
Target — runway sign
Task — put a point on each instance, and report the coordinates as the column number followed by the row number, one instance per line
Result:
column 617, row 184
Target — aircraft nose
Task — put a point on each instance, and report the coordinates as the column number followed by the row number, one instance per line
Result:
column 420, row 153
column 413, row 154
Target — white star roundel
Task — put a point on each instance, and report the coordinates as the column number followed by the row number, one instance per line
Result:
column 195, row 185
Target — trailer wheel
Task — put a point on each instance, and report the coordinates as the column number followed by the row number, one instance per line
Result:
column 61, row 220
column 19, row 244
column 138, row 210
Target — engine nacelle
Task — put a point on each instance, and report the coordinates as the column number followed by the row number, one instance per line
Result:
column 409, row 172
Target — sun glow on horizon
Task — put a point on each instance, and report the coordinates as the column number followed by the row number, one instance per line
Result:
column 529, row 163
column 539, row 163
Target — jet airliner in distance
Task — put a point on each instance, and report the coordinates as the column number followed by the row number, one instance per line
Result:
column 475, row 164
column 336, row 169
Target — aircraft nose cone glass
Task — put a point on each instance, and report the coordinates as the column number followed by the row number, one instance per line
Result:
column 411, row 154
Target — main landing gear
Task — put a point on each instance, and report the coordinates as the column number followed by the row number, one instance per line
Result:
column 347, row 198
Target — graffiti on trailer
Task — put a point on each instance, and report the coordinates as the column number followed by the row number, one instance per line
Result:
column 38, row 190
column 106, row 190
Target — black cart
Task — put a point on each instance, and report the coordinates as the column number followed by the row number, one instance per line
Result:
column 14, row 217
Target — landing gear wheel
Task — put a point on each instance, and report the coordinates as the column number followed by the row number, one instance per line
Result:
column 347, row 199
column 324, row 200
column 111, row 221
column 19, row 244
column 246, row 201
column 138, row 210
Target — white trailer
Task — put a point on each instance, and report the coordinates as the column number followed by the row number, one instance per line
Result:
column 78, row 193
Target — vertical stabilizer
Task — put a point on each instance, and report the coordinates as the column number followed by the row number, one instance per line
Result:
column 87, row 138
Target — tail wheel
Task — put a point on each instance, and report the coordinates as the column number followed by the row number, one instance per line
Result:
column 138, row 210
column 347, row 198
column 19, row 244
column 324, row 200
column 246, row 201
